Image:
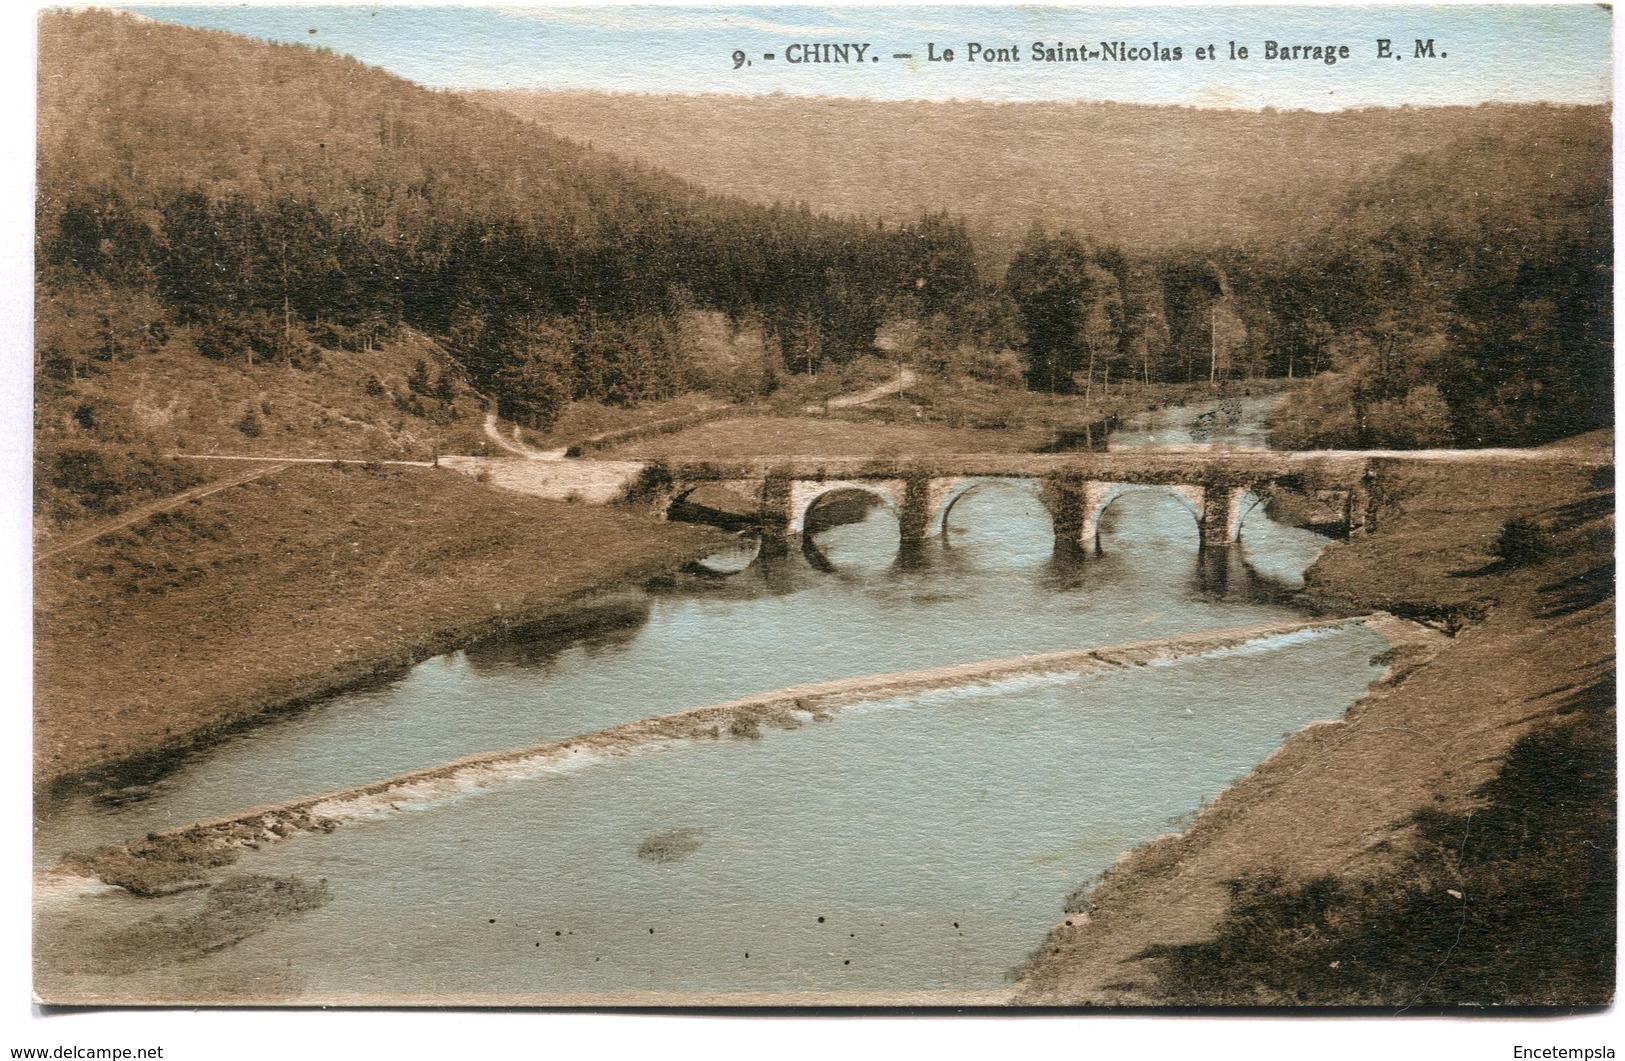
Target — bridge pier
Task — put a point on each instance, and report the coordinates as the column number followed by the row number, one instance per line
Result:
column 778, row 518
column 1074, row 507
column 916, row 514
column 1220, row 524
column 1357, row 509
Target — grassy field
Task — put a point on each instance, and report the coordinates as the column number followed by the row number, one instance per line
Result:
column 832, row 437
column 933, row 416
column 1442, row 549
column 298, row 584
column 103, row 442
column 347, row 404
column 960, row 401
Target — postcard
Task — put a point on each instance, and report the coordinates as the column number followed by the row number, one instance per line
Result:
column 986, row 506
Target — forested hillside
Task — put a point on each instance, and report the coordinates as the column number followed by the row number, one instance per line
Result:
column 259, row 206
column 1465, row 297
column 1445, row 273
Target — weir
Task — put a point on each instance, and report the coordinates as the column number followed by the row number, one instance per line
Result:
column 169, row 859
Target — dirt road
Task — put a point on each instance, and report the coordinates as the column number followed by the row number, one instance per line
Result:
column 516, row 447
column 905, row 379
column 164, row 504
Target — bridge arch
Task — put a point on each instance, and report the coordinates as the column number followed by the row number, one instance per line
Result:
column 960, row 489
column 668, row 502
column 1097, row 501
column 1251, row 501
column 729, row 560
column 679, row 492
column 804, row 494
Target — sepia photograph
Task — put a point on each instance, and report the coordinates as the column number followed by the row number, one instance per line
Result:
column 978, row 508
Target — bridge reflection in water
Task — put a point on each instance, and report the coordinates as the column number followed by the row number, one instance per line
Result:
column 1147, row 535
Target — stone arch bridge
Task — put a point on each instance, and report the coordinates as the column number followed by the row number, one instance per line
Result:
column 1076, row 488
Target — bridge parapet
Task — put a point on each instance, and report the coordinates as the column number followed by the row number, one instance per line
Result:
column 1163, row 467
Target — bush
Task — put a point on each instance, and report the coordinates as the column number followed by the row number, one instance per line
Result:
column 418, row 381
column 1429, row 417
column 1522, row 542
column 224, row 336
column 75, row 481
column 1420, row 420
column 1317, row 416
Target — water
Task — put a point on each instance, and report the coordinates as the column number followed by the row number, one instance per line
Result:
column 913, row 845
column 1241, row 423
column 924, row 844
column 991, row 588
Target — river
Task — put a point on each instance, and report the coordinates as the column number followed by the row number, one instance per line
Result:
column 916, row 844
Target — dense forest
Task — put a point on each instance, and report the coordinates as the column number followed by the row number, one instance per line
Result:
column 259, row 204
column 1448, row 270
column 271, row 200
column 1463, row 296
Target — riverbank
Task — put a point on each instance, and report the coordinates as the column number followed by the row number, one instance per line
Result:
column 297, row 585
column 1346, row 869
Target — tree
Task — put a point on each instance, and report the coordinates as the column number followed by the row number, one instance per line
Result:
column 1102, row 326
column 1227, row 339
column 534, row 382
column 418, row 381
column 1049, row 283
column 1145, row 314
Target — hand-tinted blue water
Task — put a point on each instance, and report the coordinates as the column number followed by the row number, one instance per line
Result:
column 922, row 844
column 990, row 588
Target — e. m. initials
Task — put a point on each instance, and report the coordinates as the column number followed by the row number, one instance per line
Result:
column 1422, row 50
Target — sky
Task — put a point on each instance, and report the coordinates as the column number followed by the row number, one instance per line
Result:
column 1482, row 53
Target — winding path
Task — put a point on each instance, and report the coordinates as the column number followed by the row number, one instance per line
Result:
column 905, row 379
column 516, row 447
column 163, row 504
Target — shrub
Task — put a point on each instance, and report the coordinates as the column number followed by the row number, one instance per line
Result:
column 99, row 480
column 1522, row 542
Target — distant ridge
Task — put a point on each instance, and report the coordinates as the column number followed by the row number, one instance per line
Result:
column 1147, row 178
